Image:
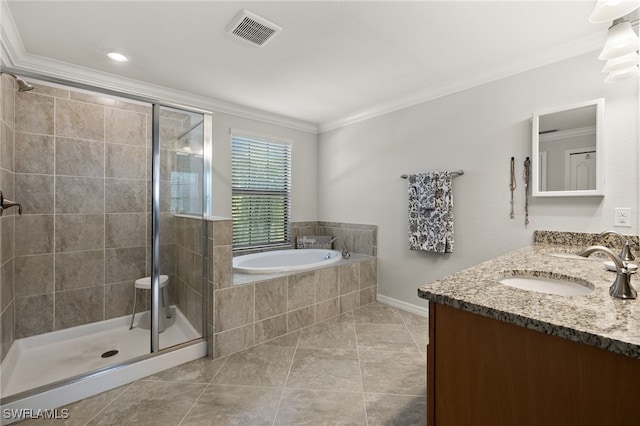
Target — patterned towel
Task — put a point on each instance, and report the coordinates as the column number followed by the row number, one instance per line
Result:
column 431, row 212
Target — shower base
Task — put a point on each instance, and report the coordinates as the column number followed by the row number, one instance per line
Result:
column 41, row 360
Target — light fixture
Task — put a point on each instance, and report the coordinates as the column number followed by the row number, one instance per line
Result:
column 621, row 40
column 622, row 75
column 610, row 10
column 118, row 57
column 623, row 62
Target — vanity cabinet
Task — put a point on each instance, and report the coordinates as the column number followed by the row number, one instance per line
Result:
column 482, row 371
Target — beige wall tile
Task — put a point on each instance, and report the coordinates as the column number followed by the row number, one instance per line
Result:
column 368, row 273
column 118, row 300
column 79, row 195
column 34, row 153
column 327, row 286
column 34, row 113
column 77, row 157
column 349, row 276
column 79, row 120
column 271, row 298
column 7, row 147
column 35, row 234
column 126, row 230
column 78, row 232
column 92, row 98
column 34, row 274
column 125, row 264
column 234, row 307
column 233, row 341
column 349, row 302
column 367, row 295
column 33, row 315
column 77, row 307
column 301, row 290
column 7, row 232
column 35, row 193
column 125, row 161
column 222, row 232
column 270, row 328
column 7, row 331
column 8, row 99
column 327, row 309
column 222, row 269
column 301, row 318
column 125, row 196
column 126, row 127
column 6, row 284
column 79, row 269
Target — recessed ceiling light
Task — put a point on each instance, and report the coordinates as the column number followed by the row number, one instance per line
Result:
column 118, row 57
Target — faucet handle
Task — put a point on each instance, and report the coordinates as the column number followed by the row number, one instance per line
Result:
column 626, row 253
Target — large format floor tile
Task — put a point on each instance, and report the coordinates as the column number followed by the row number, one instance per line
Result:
column 362, row 368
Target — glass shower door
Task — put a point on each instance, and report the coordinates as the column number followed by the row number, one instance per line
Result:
column 183, row 189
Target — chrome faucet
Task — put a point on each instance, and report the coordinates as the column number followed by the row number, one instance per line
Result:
column 6, row 203
column 345, row 251
column 625, row 254
column 621, row 287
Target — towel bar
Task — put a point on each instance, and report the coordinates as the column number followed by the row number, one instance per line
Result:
column 453, row 174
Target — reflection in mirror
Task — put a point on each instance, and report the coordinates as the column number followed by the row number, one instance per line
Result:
column 567, row 150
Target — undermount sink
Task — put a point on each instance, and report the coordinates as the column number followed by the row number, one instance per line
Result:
column 543, row 282
column 568, row 256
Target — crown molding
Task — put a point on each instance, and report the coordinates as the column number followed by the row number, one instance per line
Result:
column 15, row 57
column 558, row 53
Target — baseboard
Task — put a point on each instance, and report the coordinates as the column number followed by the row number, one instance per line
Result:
column 423, row 311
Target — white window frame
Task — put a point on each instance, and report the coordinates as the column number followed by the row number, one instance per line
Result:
column 245, row 235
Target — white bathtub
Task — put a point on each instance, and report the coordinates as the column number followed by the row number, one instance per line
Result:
column 272, row 262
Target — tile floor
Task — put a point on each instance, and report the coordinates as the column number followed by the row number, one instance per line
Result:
column 366, row 367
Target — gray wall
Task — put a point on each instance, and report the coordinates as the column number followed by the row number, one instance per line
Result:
column 477, row 130
column 304, row 167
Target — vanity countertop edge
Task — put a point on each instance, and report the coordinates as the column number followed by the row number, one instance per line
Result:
column 594, row 319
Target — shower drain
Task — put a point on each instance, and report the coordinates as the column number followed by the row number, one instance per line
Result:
column 107, row 354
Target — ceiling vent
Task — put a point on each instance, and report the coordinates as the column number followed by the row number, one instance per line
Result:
column 252, row 28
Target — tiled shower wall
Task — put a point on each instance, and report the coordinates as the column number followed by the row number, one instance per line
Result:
column 7, row 220
column 81, row 176
column 81, row 168
column 186, row 286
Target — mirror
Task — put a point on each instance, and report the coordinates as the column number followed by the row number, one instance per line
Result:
column 567, row 151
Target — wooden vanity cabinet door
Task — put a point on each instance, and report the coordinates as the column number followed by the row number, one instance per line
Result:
column 482, row 371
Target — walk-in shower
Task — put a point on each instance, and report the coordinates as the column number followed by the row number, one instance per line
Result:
column 113, row 191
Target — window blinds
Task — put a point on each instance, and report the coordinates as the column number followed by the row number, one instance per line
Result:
column 261, row 192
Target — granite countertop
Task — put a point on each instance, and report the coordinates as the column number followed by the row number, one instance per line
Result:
column 594, row 319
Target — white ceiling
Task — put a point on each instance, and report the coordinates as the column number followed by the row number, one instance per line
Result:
column 333, row 61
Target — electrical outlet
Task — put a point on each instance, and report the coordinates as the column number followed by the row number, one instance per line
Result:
column 622, row 217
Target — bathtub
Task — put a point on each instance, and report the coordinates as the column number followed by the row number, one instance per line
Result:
column 272, row 262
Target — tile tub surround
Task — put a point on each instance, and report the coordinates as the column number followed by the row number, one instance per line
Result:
column 595, row 319
column 362, row 368
column 359, row 238
column 258, row 308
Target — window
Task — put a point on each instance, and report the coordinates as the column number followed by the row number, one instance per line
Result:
column 260, row 191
